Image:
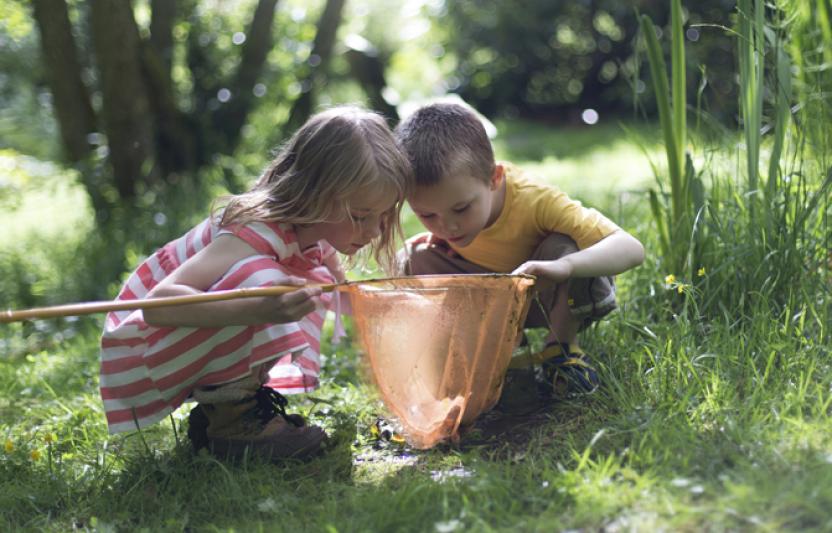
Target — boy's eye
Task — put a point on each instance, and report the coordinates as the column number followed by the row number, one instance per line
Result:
column 462, row 209
column 429, row 215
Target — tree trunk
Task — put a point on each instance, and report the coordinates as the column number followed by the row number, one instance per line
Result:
column 162, row 17
column 174, row 145
column 231, row 116
column 318, row 60
column 368, row 68
column 125, row 105
column 70, row 97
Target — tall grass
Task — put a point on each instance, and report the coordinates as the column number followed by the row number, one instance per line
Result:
column 756, row 235
column 677, row 224
column 751, row 48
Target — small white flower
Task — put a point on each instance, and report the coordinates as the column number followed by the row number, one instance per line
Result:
column 447, row 527
column 268, row 506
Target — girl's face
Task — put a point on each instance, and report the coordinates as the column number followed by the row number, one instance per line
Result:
column 350, row 230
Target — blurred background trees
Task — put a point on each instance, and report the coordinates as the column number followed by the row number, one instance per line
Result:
column 162, row 88
column 147, row 92
column 156, row 106
column 553, row 60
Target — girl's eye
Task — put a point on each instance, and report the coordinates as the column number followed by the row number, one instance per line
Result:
column 358, row 219
column 427, row 216
column 462, row 209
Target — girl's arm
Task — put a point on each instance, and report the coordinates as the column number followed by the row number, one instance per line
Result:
column 333, row 264
column 201, row 271
column 614, row 254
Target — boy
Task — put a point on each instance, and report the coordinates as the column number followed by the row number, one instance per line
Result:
column 486, row 216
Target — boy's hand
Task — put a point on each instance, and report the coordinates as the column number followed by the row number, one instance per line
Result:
column 547, row 272
column 291, row 306
column 432, row 240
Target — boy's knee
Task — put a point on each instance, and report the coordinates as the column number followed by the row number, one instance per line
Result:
column 417, row 258
column 555, row 246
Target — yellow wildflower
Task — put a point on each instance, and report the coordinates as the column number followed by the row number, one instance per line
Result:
column 700, row 272
column 35, row 455
column 9, row 446
column 670, row 278
column 49, row 438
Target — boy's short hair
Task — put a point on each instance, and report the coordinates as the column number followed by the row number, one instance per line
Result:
column 446, row 139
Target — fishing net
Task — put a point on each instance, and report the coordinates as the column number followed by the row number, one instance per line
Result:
column 439, row 346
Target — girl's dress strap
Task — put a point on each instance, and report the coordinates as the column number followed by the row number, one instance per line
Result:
column 268, row 238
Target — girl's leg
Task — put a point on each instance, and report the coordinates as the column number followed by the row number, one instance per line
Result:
column 245, row 417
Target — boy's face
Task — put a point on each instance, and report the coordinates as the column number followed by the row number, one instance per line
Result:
column 459, row 207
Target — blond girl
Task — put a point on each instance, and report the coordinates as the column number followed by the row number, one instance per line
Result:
column 336, row 186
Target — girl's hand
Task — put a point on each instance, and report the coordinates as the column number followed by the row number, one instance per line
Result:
column 291, row 306
column 547, row 272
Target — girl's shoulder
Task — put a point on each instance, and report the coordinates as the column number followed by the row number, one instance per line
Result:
column 268, row 238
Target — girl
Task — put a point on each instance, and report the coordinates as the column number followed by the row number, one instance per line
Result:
column 337, row 186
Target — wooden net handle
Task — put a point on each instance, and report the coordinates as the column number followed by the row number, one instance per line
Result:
column 89, row 308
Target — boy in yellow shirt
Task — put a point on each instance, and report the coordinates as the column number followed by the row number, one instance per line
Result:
column 486, row 216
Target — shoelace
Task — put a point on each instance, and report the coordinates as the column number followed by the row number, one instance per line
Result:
column 271, row 403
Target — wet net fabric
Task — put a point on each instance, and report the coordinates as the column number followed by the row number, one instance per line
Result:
column 439, row 346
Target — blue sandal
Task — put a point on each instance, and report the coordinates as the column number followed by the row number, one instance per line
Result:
column 567, row 370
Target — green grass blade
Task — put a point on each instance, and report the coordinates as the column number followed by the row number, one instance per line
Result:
column 661, row 87
column 782, row 102
column 678, row 75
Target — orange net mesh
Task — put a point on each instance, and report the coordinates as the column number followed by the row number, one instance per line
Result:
column 438, row 346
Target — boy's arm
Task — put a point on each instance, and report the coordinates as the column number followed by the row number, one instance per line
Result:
column 614, row 254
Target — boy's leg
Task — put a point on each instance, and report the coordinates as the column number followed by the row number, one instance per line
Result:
column 565, row 310
column 420, row 256
column 578, row 302
column 246, row 417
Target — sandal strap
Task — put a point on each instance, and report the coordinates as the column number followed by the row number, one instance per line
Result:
column 571, row 360
column 551, row 351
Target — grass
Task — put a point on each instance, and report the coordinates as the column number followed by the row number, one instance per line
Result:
column 704, row 423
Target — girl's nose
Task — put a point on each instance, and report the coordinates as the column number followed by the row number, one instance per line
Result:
column 373, row 230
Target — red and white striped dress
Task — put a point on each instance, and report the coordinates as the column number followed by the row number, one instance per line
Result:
column 148, row 371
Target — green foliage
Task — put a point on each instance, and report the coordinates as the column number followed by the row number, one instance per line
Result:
column 679, row 225
column 555, row 59
column 752, row 65
column 26, row 122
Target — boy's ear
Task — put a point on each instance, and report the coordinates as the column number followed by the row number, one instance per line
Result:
column 497, row 177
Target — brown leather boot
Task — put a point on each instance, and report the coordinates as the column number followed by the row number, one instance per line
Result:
column 256, row 424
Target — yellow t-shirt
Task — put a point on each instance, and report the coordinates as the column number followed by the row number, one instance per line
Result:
column 531, row 212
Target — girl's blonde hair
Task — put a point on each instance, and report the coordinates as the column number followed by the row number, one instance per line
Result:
column 334, row 154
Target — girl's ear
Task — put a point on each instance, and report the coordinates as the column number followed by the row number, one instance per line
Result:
column 497, row 177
